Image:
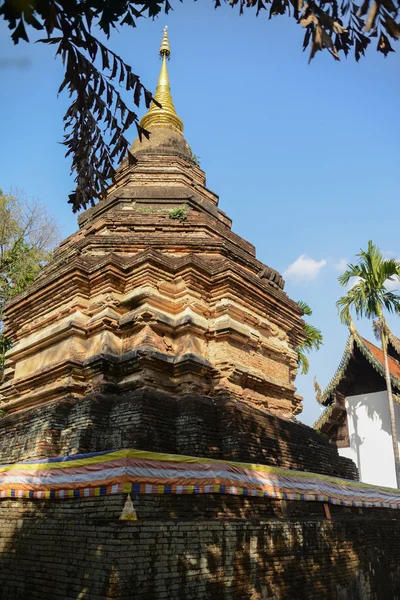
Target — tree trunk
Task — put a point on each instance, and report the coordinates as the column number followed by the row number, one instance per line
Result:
column 391, row 405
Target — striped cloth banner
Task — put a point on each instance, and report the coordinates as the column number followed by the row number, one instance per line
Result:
column 139, row 472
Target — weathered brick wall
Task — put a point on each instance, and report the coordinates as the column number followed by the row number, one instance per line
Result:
column 202, row 547
column 205, row 548
column 147, row 420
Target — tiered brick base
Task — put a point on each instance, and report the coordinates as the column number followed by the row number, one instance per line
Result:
column 191, row 425
column 137, row 298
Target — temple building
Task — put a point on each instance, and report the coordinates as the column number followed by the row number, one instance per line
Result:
column 356, row 419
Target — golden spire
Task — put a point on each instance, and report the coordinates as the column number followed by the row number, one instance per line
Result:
column 166, row 115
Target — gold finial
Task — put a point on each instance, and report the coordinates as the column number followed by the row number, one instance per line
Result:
column 164, row 48
column 166, row 115
column 352, row 327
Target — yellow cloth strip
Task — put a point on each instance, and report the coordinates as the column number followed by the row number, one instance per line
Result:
column 156, row 456
column 252, row 466
column 79, row 462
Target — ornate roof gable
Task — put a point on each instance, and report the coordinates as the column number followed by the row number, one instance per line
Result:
column 348, row 351
column 374, row 356
column 395, row 342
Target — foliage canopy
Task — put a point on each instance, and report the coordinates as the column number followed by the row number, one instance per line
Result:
column 27, row 237
column 369, row 296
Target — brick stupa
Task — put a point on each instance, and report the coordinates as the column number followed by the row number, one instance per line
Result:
column 154, row 326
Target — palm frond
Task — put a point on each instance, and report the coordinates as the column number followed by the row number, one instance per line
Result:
column 302, row 361
column 305, row 307
column 352, row 271
column 369, row 296
column 391, row 302
column 312, row 341
column 390, row 269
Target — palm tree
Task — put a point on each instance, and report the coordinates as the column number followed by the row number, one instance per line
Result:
column 370, row 298
column 313, row 340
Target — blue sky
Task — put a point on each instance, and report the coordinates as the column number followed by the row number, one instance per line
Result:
column 305, row 158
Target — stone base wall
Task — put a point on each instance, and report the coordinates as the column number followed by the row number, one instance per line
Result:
column 205, row 548
column 218, row 428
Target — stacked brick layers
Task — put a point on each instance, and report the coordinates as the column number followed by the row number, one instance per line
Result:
column 201, row 548
column 191, row 425
column 145, row 295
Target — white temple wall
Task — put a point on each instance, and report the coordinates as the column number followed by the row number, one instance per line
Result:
column 370, row 438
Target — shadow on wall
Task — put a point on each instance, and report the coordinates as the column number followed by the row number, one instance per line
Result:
column 355, row 439
column 201, row 547
column 206, row 548
column 218, row 428
column 370, row 436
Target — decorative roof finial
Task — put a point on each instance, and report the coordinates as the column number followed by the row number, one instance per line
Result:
column 352, row 327
column 166, row 115
column 164, row 48
column 318, row 391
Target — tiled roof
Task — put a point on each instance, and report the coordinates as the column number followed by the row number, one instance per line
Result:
column 394, row 366
column 395, row 341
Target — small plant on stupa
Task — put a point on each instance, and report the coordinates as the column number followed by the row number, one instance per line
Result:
column 196, row 159
column 178, row 213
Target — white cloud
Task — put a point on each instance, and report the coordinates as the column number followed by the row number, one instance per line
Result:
column 352, row 282
column 304, row 268
column 388, row 254
column 341, row 264
column 392, row 285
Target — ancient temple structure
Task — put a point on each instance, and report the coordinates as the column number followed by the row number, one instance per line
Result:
column 155, row 291
column 155, row 356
